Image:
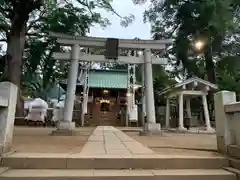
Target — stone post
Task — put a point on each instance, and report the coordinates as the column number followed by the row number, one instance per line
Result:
column 66, row 126
column 167, row 113
column 85, row 96
column 189, row 112
column 8, row 101
column 181, row 120
column 143, row 99
column 224, row 133
column 206, row 115
column 151, row 127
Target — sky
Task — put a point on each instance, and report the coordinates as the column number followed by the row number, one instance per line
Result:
column 136, row 29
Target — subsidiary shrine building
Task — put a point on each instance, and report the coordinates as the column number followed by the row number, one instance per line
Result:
column 107, row 98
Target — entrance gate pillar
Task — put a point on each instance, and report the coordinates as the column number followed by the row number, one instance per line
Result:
column 151, row 126
column 66, row 126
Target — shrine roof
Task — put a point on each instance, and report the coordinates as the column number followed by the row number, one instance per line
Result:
column 188, row 82
column 106, row 79
column 109, row 79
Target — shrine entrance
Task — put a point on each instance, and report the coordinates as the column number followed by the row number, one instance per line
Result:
column 104, row 106
column 108, row 113
column 106, row 96
column 104, row 112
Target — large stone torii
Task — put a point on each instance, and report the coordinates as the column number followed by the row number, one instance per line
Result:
column 67, row 126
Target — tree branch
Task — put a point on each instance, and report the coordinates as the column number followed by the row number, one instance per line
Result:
column 36, row 35
column 110, row 8
column 4, row 27
column 37, row 4
column 32, row 23
column 106, row 5
column 3, row 40
column 4, row 11
column 13, row 2
column 34, row 4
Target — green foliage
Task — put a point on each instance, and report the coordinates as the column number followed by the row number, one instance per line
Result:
column 162, row 80
column 228, row 74
column 107, row 5
column 189, row 21
column 70, row 20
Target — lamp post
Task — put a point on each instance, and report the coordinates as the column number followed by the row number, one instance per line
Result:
column 199, row 44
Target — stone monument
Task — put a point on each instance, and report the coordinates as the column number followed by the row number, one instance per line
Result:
column 8, row 100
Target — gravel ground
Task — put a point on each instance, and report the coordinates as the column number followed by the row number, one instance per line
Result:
column 40, row 140
column 180, row 144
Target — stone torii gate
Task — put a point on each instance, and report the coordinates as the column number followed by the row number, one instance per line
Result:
column 75, row 56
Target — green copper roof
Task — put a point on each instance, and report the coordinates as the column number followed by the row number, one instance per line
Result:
column 106, row 79
column 109, row 79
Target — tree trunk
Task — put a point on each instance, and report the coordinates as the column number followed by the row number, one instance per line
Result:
column 210, row 69
column 14, row 60
column 16, row 41
column 210, row 66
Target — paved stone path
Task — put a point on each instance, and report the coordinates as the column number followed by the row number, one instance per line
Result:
column 111, row 141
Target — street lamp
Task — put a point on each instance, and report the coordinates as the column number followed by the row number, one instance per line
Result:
column 199, row 44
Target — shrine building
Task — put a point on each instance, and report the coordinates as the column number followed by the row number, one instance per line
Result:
column 107, row 97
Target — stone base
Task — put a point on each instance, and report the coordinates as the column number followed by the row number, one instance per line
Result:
column 182, row 129
column 149, row 133
column 221, row 147
column 151, row 129
column 62, row 132
column 65, row 125
column 233, row 151
column 210, row 130
column 65, row 128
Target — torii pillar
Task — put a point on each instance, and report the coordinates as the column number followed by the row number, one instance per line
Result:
column 65, row 125
column 150, row 127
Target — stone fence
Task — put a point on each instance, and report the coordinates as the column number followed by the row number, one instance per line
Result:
column 8, row 100
column 227, row 116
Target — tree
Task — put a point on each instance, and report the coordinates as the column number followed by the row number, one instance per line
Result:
column 189, row 21
column 19, row 17
column 228, row 74
column 162, row 80
column 15, row 14
column 38, row 52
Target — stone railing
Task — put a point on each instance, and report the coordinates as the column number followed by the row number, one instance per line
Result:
column 227, row 116
column 8, row 100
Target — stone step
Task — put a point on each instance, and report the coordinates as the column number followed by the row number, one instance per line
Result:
column 233, row 151
column 59, row 174
column 235, row 163
column 80, row 161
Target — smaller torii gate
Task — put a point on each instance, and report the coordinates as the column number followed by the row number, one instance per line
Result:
column 85, row 42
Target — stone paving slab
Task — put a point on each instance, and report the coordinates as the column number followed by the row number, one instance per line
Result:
column 109, row 140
